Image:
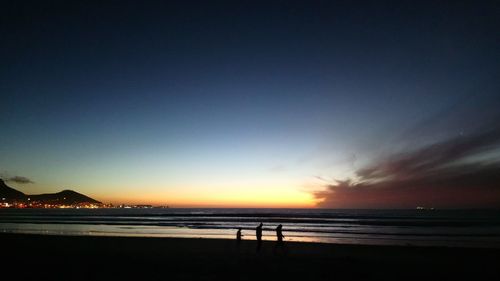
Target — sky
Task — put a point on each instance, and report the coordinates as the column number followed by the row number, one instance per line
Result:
column 331, row 104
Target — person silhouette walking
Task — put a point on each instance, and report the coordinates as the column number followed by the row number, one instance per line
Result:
column 258, row 234
column 279, row 247
column 238, row 235
column 279, row 233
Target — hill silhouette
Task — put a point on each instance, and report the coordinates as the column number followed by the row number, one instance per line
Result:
column 10, row 193
column 65, row 197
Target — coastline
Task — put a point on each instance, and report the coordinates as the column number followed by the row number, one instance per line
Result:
column 446, row 228
column 52, row 257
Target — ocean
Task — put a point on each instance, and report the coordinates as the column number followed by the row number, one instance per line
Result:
column 452, row 228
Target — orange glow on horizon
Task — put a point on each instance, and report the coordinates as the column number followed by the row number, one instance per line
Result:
column 241, row 198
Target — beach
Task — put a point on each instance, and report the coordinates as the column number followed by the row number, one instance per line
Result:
column 52, row 257
column 440, row 228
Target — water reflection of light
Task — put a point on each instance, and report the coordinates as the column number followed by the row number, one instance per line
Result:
column 184, row 232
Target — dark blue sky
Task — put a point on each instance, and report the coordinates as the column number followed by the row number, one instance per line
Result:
column 243, row 102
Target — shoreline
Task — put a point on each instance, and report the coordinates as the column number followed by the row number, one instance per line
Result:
column 372, row 227
column 138, row 258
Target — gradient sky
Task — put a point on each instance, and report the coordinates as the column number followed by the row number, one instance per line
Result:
column 251, row 104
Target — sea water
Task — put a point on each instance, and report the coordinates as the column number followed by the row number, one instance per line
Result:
column 463, row 228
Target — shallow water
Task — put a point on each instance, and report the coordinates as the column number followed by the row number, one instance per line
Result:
column 467, row 228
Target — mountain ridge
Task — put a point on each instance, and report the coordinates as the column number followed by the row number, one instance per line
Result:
column 64, row 197
column 9, row 192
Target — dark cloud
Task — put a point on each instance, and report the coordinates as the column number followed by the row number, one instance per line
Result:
column 461, row 171
column 19, row 180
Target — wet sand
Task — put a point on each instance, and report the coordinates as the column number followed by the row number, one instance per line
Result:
column 45, row 257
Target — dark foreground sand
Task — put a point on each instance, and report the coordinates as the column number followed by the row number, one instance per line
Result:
column 116, row 258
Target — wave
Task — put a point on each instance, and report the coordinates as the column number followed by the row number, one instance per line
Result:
column 441, row 227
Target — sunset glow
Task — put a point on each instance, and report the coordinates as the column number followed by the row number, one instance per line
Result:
column 298, row 105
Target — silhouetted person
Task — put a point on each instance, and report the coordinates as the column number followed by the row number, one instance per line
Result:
column 258, row 234
column 279, row 233
column 279, row 247
column 238, row 235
